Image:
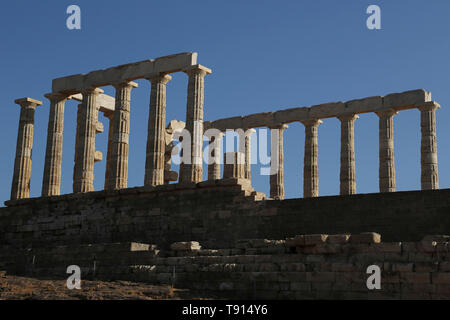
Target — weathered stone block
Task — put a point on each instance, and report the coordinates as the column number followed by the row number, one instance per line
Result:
column 185, row 246
column 366, row 237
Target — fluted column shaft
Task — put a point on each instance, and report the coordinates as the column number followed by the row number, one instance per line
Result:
column 214, row 152
column 247, row 151
column 85, row 149
column 311, row 159
column 193, row 171
column 156, row 139
column 347, row 171
column 277, row 162
column 51, row 184
column 110, row 116
column 386, row 151
column 20, row 188
column 117, row 161
column 429, row 177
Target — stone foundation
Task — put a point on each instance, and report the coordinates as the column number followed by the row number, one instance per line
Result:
column 303, row 267
column 186, row 212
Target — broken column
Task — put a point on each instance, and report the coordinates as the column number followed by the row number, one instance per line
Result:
column 193, row 171
column 311, row 159
column 347, row 171
column 51, row 184
column 154, row 164
column 22, row 165
column 429, row 177
column 386, row 150
column 118, row 161
column 84, row 165
column 277, row 162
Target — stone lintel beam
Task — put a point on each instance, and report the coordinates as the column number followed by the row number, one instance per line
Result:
column 397, row 101
column 105, row 103
column 124, row 73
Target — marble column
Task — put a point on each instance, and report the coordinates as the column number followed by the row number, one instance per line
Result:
column 347, row 172
column 214, row 163
column 311, row 159
column 85, row 149
column 234, row 165
column 428, row 150
column 110, row 116
column 51, row 183
column 193, row 171
column 20, row 188
column 156, row 143
column 117, row 162
column 386, row 150
column 247, row 151
column 277, row 162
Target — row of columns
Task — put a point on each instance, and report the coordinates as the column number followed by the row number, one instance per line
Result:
column 118, row 144
column 429, row 167
column 116, row 174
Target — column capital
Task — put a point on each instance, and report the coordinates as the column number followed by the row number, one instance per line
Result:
column 348, row 117
column 55, row 97
column 387, row 113
column 159, row 78
column 429, row 106
column 279, row 126
column 312, row 122
column 129, row 84
column 198, row 69
column 28, row 102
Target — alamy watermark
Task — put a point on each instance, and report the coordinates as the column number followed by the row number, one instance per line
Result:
column 374, row 20
column 74, row 281
column 73, row 22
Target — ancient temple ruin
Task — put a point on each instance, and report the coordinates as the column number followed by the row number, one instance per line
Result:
column 221, row 234
column 86, row 88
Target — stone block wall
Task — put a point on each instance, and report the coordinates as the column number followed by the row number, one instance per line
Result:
column 302, row 267
column 217, row 214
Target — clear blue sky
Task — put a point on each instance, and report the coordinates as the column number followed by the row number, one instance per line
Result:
column 265, row 56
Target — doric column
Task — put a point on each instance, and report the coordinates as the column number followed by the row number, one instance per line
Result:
column 156, row 141
column 311, row 163
column 22, row 165
column 277, row 162
column 247, row 152
column 117, row 160
column 387, row 163
column 347, row 173
column 193, row 171
column 85, row 149
column 51, row 183
column 234, row 165
column 214, row 164
column 429, row 177
column 110, row 116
